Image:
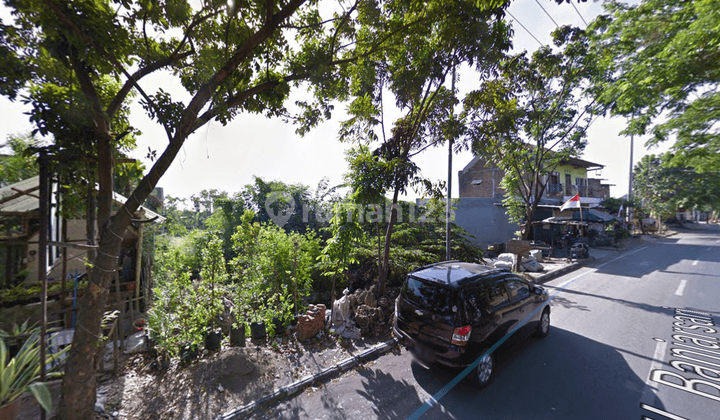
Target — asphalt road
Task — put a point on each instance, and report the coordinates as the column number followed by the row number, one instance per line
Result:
column 611, row 353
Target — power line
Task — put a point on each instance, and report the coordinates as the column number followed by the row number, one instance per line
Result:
column 578, row 12
column 526, row 29
column 548, row 14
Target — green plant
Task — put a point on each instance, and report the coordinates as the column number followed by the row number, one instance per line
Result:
column 272, row 269
column 238, row 307
column 22, row 372
column 18, row 330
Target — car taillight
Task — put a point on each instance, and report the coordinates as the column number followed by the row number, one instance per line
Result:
column 461, row 335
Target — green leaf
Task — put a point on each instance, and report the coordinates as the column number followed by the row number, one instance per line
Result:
column 42, row 394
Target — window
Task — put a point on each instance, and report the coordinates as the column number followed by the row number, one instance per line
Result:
column 428, row 296
column 518, row 289
column 496, row 294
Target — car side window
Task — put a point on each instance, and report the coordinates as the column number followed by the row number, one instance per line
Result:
column 518, row 289
column 496, row 294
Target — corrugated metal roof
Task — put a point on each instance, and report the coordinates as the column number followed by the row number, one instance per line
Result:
column 23, row 203
column 149, row 214
column 27, row 203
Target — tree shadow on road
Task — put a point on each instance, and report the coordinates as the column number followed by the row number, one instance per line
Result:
column 390, row 398
column 642, row 306
column 565, row 376
column 662, row 257
column 567, row 303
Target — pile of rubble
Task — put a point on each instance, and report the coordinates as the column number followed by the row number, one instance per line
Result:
column 361, row 313
column 310, row 324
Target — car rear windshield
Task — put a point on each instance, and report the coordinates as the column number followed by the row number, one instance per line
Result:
column 429, row 296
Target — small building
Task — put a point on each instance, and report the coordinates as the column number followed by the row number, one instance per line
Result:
column 480, row 210
column 66, row 256
column 481, row 179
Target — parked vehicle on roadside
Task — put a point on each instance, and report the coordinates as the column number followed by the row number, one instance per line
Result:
column 451, row 313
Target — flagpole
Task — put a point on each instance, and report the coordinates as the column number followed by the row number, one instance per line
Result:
column 581, row 220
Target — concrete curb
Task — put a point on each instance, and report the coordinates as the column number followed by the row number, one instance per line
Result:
column 322, row 376
column 557, row 273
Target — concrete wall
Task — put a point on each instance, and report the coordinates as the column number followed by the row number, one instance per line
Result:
column 485, row 220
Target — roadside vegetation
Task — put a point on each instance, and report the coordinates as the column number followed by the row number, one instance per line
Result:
column 264, row 252
column 218, row 262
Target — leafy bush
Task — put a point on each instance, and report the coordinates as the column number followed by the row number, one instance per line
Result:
column 272, row 269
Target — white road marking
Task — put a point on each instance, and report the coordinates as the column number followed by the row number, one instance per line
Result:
column 664, row 413
column 695, row 262
column 708, row 248
column 648, row 394
column 681, row 288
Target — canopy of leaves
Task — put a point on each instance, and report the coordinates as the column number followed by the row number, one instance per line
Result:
column 532, row 117
column 664, row 56
column 664, row 189
column 17, row 164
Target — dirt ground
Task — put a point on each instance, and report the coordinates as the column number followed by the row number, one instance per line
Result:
column 217, row 382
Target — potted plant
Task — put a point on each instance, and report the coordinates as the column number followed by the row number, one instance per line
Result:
column 257, row 325
column 237, row 330
column 21, row 374
column 160, row 330
column 212, row 275
column 237, row 334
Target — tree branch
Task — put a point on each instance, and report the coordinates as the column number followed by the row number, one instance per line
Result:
column 71, row 24
column 157, row 65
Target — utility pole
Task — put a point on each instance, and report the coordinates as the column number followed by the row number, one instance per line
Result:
column 630, row 179
column 448, row 205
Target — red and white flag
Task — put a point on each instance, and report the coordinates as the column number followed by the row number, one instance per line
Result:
column 573, row 203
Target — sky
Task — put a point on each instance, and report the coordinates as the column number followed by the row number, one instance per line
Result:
column 227, row 157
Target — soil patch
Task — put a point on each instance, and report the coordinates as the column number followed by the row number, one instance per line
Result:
column 220, row 381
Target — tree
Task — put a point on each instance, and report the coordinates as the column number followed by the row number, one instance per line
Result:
column 231, row 58
column 415, row 73
column 665, row 62
column 531, row 118
column 339, row 250
column 655, row 186
column 663, row 187
column 17, row 165
column 275, row 198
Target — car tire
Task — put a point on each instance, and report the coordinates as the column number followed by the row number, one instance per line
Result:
column 483, row 373
column 543, row 328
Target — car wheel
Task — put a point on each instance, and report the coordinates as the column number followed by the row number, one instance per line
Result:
column 543, row 328
column 484, row 371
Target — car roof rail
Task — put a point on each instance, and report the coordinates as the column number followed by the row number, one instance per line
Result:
column 434, row 264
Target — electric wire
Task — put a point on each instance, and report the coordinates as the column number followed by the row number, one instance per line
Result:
column 548, row 14
column 526, row 29
column 578, row 12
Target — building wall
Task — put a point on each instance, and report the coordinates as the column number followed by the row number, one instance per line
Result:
column 485, row 220
column 574, row 173
column 76, row 257
column 482, row 180
column 481, row 171
column 598, row 189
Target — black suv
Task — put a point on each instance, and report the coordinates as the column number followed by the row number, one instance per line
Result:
column 451, row 312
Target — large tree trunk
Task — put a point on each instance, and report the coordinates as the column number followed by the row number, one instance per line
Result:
column 79, row 382
column 385, row 266
column 78, row 396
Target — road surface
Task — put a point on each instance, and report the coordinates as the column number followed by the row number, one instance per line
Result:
column 623, row 345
